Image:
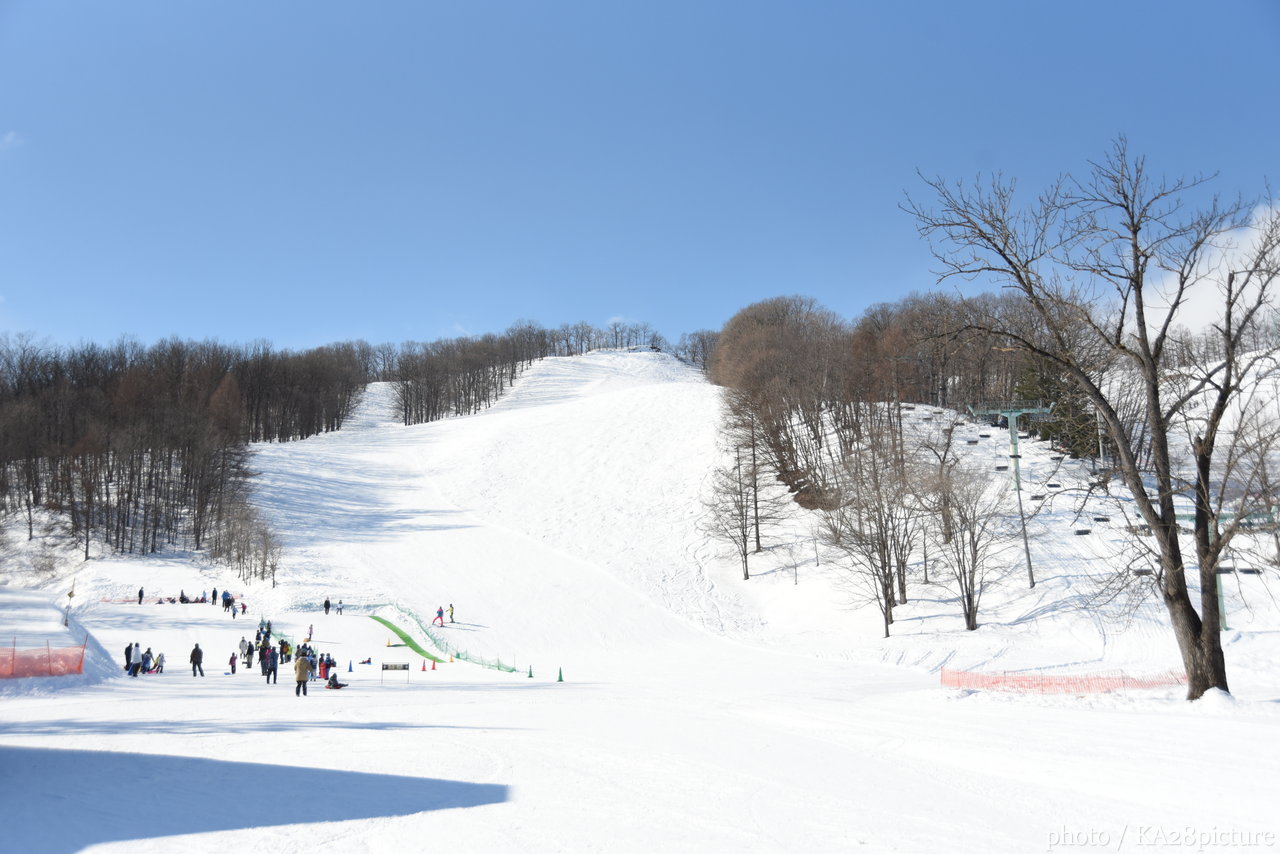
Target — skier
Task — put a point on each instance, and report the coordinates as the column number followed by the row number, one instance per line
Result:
column 197, row 661
column 301, row 672
column 439, row 617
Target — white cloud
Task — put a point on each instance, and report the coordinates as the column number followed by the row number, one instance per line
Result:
column 10, row 139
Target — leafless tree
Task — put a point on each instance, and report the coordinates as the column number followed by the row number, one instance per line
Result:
column 728, row 516
column 971, row 534
column 1109, row 268
column 873, row 522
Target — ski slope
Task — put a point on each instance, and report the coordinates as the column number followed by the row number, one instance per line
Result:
column 698, row 711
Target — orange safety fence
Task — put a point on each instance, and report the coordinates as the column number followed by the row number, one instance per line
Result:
column 1063, row 683
column 61, row 661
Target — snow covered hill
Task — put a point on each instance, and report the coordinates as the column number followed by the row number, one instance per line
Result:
column 698, row 711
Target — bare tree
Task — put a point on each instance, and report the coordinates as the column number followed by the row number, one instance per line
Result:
column 971, row 533
column 729, row 508
column 1108, row 268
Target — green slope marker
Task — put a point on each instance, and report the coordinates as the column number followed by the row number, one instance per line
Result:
column 408, row 641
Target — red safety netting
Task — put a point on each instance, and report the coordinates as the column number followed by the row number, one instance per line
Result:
column 1060, row 683
column 60, row 661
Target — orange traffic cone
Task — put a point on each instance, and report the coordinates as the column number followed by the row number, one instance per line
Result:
column 424, row 665
column 388, row 641
column 433, row 664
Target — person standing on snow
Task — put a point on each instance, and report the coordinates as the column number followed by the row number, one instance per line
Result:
column 439, row 617
column 273, row 664
column 232, row 662
column 146, row 661
column 160, row 663
column 197, row 660
column 128, row 657
column 451, row 612
column 301, row 672
column 326, row 606
column 136, row 666
column 339, row 607
column 213, row 597
column 139, row 595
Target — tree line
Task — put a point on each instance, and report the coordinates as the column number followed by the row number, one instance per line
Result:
column 144, row 448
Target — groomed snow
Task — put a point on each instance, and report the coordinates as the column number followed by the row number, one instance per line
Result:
column 698, row 711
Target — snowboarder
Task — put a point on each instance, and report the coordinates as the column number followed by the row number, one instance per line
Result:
column 326, row 606
column 197, row 660
column 301, row 672
column 439, row 617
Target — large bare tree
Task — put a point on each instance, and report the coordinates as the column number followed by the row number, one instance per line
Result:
column 1120, row 274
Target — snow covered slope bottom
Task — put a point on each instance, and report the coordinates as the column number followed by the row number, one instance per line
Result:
column 698, row 711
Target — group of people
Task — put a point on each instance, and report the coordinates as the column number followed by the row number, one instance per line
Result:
column 229, row 602
column 137, row 660
column 440, row 616
column 308, row 665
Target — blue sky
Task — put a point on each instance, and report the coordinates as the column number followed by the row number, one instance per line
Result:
column 416, row 169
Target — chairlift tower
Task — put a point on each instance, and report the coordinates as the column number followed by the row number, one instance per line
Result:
column 1012, row 410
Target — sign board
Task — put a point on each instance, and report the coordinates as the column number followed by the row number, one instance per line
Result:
column 395, row 665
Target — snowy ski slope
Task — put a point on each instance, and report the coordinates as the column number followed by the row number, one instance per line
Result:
column 698, row 712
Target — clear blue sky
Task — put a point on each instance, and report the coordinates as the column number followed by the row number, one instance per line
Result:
column 308, row 172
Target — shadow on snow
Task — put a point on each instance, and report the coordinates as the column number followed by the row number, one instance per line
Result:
column 43, row 793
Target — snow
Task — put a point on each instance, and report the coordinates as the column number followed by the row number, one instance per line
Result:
column 698, row 711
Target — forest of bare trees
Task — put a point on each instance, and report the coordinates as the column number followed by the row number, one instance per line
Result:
column 146, row 448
